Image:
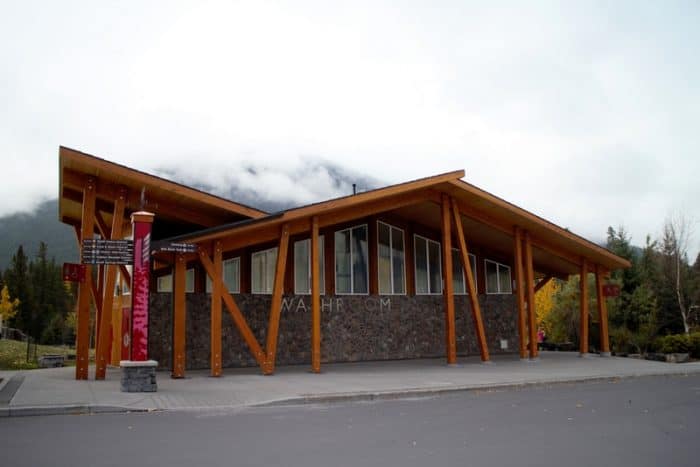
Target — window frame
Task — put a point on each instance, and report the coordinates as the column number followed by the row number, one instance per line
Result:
column 352, row 275
column 158, row 279
column 252, row 265
column 499, row 266
column 321, row 266
column 391, row 259
column 464, row 276
column 188, row 272
column 427, row 253
column 208, row 282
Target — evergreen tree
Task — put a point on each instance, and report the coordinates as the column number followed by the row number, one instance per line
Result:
column 19, row 284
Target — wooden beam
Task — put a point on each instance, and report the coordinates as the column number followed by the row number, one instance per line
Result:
column 315, row 298
column 87, row 227
column 583, row 335
column 102, row 355
column 542, row 283
column 238, row 318
column 506, row 228
column 520, row 290
column 471, row 285
column 276, row 306
column 72, row 158
column 530, row 293
column 448, row 288
column 179, row 312
column 602, row 312
column 215, row 336
column 106, row 191
column 260, row 232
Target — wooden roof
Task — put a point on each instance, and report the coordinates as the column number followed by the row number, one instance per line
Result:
column 179, row 208
column 487, row 219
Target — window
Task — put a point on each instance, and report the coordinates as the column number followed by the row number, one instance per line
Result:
column 390, row 259
column 428, row 266
column 351, row 269
column 497, row 278
column 302, row 266
column 262, row 266
column 232, row 276
column 189, row 281
column 126, row 285
column 459, row 279
column 165, row 283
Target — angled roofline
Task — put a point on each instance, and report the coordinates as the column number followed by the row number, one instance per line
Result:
column 99, row 163
column 539, row 220
column 324, row 207
column 437, row 182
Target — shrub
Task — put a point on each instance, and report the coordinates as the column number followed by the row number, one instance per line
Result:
column 674, row 343
column 694, row 345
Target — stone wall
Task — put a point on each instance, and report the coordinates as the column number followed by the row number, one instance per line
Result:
column 353, row 328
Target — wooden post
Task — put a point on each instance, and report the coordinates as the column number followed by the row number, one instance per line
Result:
column 98, row 299
column 520, row 290
column 215, row 333
column 102, row 356
column 179, row 306
column 530, row 292
column 315, row 299
column 602, row 313
column 82, row 339
column 276, row 307
column 471, row 286
column 447, row 280
column 583, row 335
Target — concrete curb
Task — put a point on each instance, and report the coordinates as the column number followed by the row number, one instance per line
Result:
column 309, row 399
column 87, row 409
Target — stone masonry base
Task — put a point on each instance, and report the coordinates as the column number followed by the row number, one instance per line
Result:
column 138, row 376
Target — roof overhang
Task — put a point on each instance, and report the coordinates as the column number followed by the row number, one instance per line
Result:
column 179, row 206
column 487, row 220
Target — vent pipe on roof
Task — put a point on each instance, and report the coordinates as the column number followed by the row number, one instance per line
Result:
column 354, row 188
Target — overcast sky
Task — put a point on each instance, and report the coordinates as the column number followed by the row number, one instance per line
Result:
column 585, row 113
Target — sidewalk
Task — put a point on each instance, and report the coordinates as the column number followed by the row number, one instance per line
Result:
column 55, row 391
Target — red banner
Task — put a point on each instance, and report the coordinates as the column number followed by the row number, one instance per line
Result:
column 140, row 285
column 611, row 290
column 73, row 272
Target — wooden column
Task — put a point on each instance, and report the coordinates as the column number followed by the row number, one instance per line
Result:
column 215, row 333
column 98, row 297
column 520, row 289
column 276, row 307
column 82, row 338
column 315, row 299
column 102, row 355
column 471, row 285
column 583, row 335
column 448, row 291
column 530, row 293
column 179, row 307
column 602, row 313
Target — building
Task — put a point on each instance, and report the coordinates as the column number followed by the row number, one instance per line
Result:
column 434, row 267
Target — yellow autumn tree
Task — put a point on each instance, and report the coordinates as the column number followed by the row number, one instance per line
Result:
column 8, row 307
column 544, row 304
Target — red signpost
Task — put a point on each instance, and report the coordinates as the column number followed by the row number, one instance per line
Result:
column 140, row 279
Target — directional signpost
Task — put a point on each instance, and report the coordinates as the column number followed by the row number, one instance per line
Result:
column 175, row 247
column 98, row 251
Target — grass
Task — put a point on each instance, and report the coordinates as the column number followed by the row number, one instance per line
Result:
column 13, row 354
